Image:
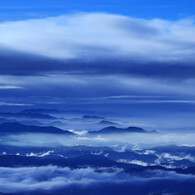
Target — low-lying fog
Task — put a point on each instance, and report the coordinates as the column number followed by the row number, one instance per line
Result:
column 142, row 139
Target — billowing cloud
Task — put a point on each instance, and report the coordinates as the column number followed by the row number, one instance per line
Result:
column 87, row 181
column 98, row 43
column 98, row 34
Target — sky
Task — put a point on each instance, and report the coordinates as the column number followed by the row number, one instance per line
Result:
column 130, row 57
column 166, row 9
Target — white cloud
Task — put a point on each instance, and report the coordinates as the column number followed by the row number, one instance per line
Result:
column 177, row 158
column 136, row 162
column 10, row 87
column 99, row 34
column 52, row 179
column 98, row 138
column 41, row 154
column 80, row 133
column 14, row 104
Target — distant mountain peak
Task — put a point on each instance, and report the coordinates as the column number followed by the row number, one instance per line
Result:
column 106, row 122
column 113, row 129
column 93, row 117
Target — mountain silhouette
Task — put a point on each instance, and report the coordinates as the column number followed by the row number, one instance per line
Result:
column 114, row 130
column 17, row 128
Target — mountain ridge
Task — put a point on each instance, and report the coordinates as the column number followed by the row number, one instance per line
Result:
column 116, row 130
column 17, row 128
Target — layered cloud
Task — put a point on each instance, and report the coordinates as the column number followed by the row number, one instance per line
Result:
column 90, row 55
column 98, row 43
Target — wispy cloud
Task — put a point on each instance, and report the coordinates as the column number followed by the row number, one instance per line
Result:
column 10, row 87
column 14, row 104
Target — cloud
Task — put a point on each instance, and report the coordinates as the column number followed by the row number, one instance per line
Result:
column 9, row 87
column 40, row 155
column 90, row 55
column 98, row 43
column 177, row 158
column 14, row 104
column 58, row 180
column 87, row 34
column 86, row 86
column 136, row 162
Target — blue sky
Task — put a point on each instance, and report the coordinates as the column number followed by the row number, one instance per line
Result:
column 165, row 9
